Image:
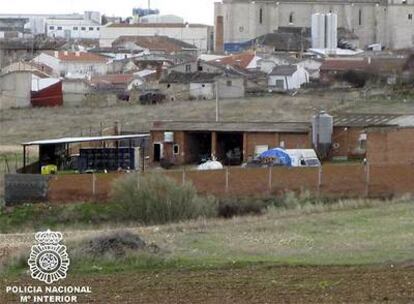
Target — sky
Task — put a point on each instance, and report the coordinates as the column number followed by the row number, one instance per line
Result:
column 193, row 11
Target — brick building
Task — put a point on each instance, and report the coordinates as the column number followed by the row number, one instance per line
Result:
column 381, row 138
column 231, row 142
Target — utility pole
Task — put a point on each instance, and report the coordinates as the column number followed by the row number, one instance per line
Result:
column 217, row 102
column 149, row 4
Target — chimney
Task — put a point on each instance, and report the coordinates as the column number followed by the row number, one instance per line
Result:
column 219, row 47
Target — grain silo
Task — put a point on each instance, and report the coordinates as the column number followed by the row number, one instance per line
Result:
column 322, row 130
column 318, row 31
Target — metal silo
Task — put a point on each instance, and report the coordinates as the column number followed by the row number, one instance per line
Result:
column 322, row 130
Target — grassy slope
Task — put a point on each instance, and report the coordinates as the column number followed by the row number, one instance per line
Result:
column 360, row 236
column 341, row 235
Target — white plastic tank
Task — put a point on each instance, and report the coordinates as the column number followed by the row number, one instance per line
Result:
column 169, row 137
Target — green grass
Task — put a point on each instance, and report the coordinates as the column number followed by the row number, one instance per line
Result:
column 343, row 233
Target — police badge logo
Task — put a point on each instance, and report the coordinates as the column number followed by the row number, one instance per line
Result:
column 48, row 261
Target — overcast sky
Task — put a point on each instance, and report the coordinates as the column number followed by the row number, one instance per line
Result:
column 194, row 11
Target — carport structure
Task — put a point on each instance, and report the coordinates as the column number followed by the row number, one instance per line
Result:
column 57, row 151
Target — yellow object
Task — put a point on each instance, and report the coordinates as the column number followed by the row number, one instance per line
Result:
column 49, row 169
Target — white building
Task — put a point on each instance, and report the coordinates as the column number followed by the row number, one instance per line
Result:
column 77, row 26
column 196, row 34
column 387, row 22
column 86, row 26
column 287, row 78
column 74, row 64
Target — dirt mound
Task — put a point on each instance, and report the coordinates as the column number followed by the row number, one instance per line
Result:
column 115, row 243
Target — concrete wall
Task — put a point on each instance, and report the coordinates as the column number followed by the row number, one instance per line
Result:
column 75, row 92
column 231, row 87
column 25, row 188
column 202, row 91
column 15, row 90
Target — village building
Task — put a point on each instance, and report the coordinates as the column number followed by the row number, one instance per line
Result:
column 285, row 78
column 74, row 64
column 202, row 81
column 388, row 23
column 199, row 35
column 154, row 45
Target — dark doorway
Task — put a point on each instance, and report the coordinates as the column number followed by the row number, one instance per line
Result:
column 157, row 152
column 230, row 148
column 198, row 147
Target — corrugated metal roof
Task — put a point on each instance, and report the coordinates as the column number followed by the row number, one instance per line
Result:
column 71, row 140
column 283, row 127
column 365, row 120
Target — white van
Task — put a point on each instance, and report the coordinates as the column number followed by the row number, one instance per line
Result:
column 303, row 158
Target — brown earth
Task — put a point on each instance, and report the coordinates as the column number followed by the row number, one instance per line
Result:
column 256, row 284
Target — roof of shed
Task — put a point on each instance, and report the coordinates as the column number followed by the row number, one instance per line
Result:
column 71, row 140
column 284, row 70
column 254, row 126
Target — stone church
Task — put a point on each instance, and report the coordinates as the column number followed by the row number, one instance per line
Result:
column 388, row 22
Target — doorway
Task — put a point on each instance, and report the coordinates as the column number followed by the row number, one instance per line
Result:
column 157, row 152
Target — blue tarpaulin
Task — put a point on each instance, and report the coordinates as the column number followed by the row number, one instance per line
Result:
column 279, row 154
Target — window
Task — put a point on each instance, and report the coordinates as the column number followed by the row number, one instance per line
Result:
column 83, row 28
column 188, row 68
column 59, row 28
column 360, row 17
column 176, row 149
column 51, row 27
column 203, row 85
column 75, row 28
column 91, row 28
column 280, row 83
column 168, row 86
column 98, row 28
column 291, row 19
column 410, row 16
column 261, row 16
column 404, row 1
column 229, row 83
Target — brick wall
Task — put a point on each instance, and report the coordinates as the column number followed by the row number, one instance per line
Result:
column 390, row 146
column 329, row 181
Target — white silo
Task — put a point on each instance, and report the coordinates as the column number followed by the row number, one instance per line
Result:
column 322, row 131
column 331, row 31
column 318, row 31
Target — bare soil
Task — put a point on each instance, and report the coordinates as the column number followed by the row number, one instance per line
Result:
column 256, row 284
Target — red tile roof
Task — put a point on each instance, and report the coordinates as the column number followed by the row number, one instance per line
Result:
column 112, row 79
column 240, row 60
column 77, row 56
column 344, row 64
column 156, row 43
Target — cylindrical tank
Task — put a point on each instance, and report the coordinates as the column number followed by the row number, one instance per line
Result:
column 169, row 137
column 322, row 130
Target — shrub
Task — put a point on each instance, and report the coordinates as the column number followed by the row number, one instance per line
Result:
column 156, row 199
column 231, row 207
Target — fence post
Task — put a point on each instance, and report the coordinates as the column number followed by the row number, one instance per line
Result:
column 183, row 177
column 367, row 179
column 93, row 184
column 227, row 180
column 270, row 180
column 319, row 181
